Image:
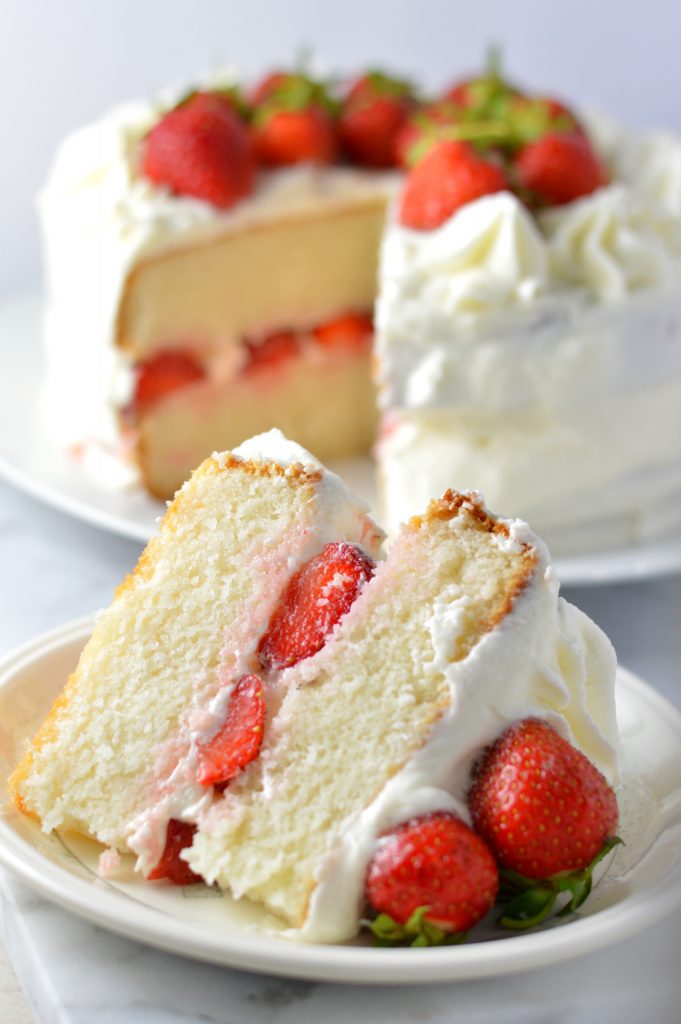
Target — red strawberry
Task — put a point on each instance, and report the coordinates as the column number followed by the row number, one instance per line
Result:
column 285, row 137
column 423, row 127
column 352, row 331
column 313, row 601
column 539, row 802
column 268, row 85
column 463, row 93
column 171, row 867
column 485, row 91
column 237, row 742
column 201, row 149
column 448, row 177
column 373, row 113
column 271, row 352
column 431, row 871
column 557, row 109
column 161, row 375
column 559, row 167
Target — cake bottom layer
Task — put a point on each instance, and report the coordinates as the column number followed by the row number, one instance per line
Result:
column 598, row 478
column 325, row 399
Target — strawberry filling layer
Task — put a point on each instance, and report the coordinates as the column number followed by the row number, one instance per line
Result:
column 172, row 370
column 310, row 606
column 237, row 742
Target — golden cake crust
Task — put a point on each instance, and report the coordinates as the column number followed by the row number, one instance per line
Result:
column 455, row 503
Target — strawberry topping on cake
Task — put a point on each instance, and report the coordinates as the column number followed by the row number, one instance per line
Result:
column 374, row 110
column 203, row 149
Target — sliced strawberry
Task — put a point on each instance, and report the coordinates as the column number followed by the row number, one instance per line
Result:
column 202, row 148
column 237, row 742
column 448, row 177
column 428, row 879
column 313, row 601
column 163, row 374
column 271, row 352
column 559, row 167
column 352, row 331
column 171, row 867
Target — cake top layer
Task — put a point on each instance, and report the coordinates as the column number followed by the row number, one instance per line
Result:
column 274, row 448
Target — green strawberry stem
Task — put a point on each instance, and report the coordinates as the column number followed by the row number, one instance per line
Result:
column 494, row 62
column 416, row 932
column 388, row 85
column 500, row 126
column 530, row 901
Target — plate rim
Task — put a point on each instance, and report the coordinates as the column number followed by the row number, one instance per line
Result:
column 251, row 951
column 651, row 560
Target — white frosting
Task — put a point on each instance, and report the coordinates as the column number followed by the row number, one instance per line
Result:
column 609, row 244
column 337, row 513
column 539, row 360
column 545, row 659
column 100, row 217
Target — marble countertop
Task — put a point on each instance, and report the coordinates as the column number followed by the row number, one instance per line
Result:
column 54, row 569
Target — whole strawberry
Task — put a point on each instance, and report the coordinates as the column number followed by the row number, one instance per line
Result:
column 201, row 149
column 559, row 167
column 372, row 115
column 272, row 81
column 295, row 122
column 430, row 880
column 424, row 126
column 545, row 811
column 448, row 177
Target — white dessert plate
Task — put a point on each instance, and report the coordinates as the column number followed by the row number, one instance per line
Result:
column 31, row 460
column 642, row 884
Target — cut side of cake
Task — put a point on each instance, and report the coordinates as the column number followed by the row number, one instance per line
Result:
column 183, row 624
column 176, row 252
column 371, row 684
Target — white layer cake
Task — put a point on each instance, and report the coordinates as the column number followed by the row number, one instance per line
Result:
column 538, row 359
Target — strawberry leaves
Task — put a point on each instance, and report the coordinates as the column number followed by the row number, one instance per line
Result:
column 416, row 932
column 529, row 902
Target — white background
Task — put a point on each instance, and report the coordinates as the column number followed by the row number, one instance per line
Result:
column 62, row 62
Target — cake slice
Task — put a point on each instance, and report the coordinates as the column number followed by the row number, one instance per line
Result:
column 270, row 690
column 152, row 679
